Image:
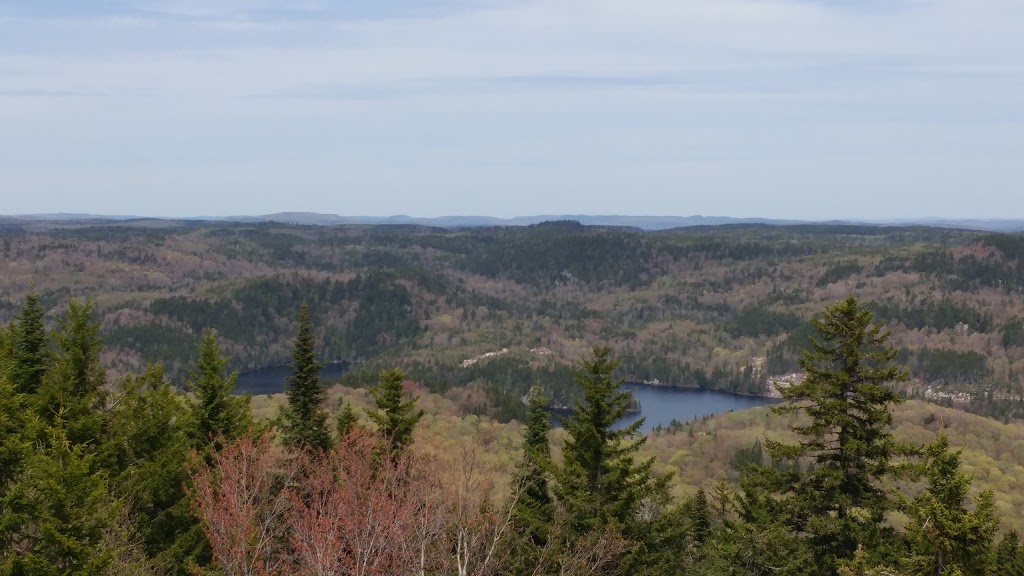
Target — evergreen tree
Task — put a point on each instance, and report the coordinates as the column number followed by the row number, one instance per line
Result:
column 943, row 535
column 147, row 451
column 599, row 482
column 30, row 355
column 533, row 512
column 217, row 416
column 839, row 502
column 73, row 386
column 700, row 518
column 347, row 420
column 396, row 415
column 6, row 351
column 15, row 447
column 1009, row 555
column 304, row 422
column 58, row 511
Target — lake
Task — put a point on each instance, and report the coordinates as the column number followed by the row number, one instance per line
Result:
column 273, row 379
column 660, row 404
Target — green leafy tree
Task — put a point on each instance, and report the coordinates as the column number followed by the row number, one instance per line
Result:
column 396, row 415
column 217, row 416
column 838, row 502
column 943, row 534
column 58, row 512
column 30, row 354
column 304, row 421
column 533, row 511
column 600, row 483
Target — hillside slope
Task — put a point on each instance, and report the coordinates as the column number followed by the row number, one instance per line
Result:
column 721, row 307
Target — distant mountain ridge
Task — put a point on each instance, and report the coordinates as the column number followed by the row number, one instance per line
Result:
column 649, row 223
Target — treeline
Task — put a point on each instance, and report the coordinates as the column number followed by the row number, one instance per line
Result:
column 141, row 479
column 939, row 315
column 370, row 313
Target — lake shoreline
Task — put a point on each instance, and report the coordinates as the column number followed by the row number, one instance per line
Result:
column 657, row 384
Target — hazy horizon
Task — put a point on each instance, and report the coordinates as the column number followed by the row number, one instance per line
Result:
column 784, row 109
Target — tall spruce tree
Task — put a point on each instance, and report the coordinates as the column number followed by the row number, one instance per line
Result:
column 533, row 511
column 700, row 518
column 944, row 535
column 839, row 501
column 304, row 421
column 217, row 416
column 396, row 414
column 30, row 354
column 600, row 483
column 73, row 386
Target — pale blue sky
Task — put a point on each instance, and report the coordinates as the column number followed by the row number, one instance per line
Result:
column 812, row 109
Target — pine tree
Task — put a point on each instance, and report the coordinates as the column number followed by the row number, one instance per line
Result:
column 58, row 510
column 533, row 511
column 700, row 518
column 943, row 535
column 845, row 397
column 599, row 482
column 304, row 422
column 347, row 420
column 15, row 447
column 1009, row 555
column 217, row 416
column 73, row 385
column 147, row 450
column 30, row 355
column 396, row 416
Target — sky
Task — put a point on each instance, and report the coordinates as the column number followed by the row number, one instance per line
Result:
column 810, row 109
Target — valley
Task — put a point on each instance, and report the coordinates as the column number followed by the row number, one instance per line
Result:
column 721, row 307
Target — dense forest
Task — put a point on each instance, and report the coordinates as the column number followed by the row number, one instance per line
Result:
column 719, row 307
column 139, row 477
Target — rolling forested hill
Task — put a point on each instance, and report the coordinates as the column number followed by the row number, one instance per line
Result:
column 723, row 307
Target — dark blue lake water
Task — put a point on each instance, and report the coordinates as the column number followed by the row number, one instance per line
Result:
column 658, row 404
column 273, row 379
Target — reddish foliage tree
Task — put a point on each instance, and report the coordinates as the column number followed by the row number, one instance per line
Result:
column 352, row 511
column 239, row 497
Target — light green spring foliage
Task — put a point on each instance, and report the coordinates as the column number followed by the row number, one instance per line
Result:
column 304, row 420
column 396, row 414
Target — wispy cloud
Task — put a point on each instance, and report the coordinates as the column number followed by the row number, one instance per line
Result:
column 725, row 99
